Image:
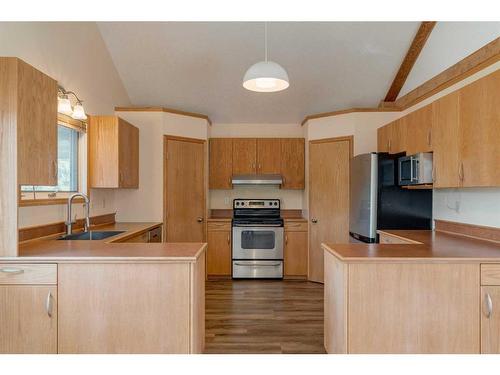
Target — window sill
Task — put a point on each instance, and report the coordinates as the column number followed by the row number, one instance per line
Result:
column 47, row 202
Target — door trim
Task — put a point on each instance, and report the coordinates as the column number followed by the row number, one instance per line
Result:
column 350, row 139
column 167, row 138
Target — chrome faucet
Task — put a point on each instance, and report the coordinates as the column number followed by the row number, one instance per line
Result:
column 69, row 222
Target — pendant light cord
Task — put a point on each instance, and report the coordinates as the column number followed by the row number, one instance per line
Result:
column 265, row 36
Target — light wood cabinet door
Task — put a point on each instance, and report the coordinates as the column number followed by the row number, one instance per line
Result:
column 244, row 156
column 128, row 151
column 219, row 253
column 418, row 125
column 293, row 163
column 268, row 156
column 28, row 319
column 391, row 138
column 295, row 253
column 125, row 308
column 113, row 153
column 221, row 163
column 446, row 141
column 480, row 132
column 490, row 319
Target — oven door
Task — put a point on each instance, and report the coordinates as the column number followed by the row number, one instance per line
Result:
column 257, row 242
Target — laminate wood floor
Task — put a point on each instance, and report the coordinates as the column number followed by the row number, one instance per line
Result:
column 264, row 316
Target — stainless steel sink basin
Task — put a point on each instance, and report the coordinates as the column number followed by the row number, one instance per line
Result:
column 92, row 235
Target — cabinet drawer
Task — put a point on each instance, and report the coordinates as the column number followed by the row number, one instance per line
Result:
column 14, row 273
column 155, row 234
column 141, row 238
column 490, row 274
column 219, row 225
column 296, row 226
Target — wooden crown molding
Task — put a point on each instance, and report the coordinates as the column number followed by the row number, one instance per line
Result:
column 478, row 60
column 350, row 110
column 163, row 109
column 418, row 43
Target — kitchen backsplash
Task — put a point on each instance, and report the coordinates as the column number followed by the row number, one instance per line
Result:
column 290, row 199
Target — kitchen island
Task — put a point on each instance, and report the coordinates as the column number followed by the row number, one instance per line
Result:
column 103, row 296
column 428, row 292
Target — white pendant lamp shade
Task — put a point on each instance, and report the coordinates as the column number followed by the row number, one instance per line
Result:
column 266, row 76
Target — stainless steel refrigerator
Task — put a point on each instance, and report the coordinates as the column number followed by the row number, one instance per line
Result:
column 378, row 202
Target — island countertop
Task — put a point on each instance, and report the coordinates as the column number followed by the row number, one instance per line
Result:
column 50, row 249
column 431, row 246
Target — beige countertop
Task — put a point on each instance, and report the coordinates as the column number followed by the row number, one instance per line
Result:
column 109, row 249
column 433, row 246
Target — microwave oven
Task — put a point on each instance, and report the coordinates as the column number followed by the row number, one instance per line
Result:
column 415, row 169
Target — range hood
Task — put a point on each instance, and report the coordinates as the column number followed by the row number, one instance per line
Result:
column 257, row 179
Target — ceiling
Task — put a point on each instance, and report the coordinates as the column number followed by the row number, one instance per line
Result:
column 199, row 66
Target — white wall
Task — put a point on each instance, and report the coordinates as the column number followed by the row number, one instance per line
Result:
column 290, row 199
column 146, row 203
column 75, row 55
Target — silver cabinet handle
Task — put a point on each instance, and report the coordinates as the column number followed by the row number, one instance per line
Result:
column 257, row 265
column 228, row 239
column 488, row 304
column 54, row 167
column 314, row 221
column 429, row 137
column 12, row 270
column 48, row 305
column 199, row 220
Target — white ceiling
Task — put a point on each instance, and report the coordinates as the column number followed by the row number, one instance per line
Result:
column 199, row 66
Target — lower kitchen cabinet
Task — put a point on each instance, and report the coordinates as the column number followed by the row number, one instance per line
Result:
column 219, row 248
column 150, row 236
column 490, row 320
column 28, row 312
column 295, row 250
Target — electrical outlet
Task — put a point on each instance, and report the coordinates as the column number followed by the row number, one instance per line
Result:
column 227, row 201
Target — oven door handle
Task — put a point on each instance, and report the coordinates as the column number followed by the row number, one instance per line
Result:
column 258, row 226
column 257, row 265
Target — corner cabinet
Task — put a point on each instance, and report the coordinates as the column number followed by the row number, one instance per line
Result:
column 235, row 156
column 113, row 153
column 28, row 100
column 28, row 308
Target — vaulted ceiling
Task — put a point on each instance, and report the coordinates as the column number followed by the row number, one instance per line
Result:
column 199, row 66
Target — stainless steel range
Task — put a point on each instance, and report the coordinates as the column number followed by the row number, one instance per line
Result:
column 257, row 239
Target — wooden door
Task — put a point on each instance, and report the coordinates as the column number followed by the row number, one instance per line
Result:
column 490, row 320
column 221, row 163
column 268, row 156
column 36, row 127
column 295, row 254
column 446, row 141
column 293, row 163
column 244, row 156
column 219, row 253
column 328, row 198
column 480, row 132
column 184, row 193
column 128, row 146
column 418, row 126
column 25, row 324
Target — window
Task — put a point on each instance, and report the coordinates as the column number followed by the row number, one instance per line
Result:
column 69, row 139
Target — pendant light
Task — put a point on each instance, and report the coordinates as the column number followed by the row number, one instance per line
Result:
column 266, row 76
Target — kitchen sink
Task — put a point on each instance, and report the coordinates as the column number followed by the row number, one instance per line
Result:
column 92, row 235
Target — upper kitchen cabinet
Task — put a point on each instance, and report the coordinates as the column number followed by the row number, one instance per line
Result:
column 221, row 163
column 292, row 163
column 244, row 156
column 446, row 141
column 418, row 127
column 113, row 153
column 28, row 99
column 480, row 132
column 391, row 138
column 268, row 156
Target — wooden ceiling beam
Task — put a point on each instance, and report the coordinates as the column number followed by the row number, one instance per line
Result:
column 416, row 47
